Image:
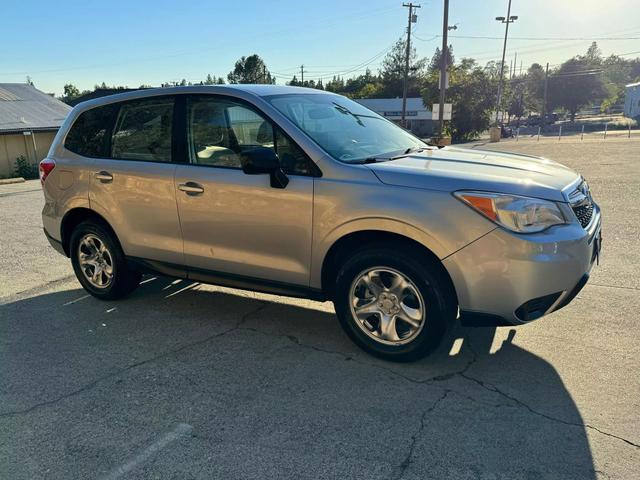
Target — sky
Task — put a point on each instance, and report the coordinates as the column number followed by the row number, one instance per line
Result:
column 149, row 42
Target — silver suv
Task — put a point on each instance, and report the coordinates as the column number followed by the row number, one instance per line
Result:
column 304, row 193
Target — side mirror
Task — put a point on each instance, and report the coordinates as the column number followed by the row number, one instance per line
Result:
column 261, row 160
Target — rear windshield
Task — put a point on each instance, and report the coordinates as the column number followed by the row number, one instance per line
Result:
column 88, row 135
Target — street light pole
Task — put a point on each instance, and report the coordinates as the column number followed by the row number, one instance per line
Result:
column 506, row 20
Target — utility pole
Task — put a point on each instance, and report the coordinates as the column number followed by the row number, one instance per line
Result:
column 412, row 19
column 544, row 101
column 507, row 20
column 302, row 74
column 444, row 60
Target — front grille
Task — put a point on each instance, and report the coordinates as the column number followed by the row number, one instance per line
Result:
column 584, row 213
column 582, row 204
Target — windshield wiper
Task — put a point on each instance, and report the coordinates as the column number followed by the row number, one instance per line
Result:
column 408, row 152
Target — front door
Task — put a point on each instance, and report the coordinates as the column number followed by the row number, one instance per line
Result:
column 237, row 224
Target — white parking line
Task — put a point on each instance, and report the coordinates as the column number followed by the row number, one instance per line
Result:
column 181, row 430
column 76, row 300
column 188, row 287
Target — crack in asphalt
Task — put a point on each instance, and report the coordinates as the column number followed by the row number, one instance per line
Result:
column 414, row 438
column 492, row 388
column 462, row 373
column 132, row 366
column 440, row 378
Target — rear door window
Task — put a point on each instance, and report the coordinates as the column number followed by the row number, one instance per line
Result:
column 143, row 130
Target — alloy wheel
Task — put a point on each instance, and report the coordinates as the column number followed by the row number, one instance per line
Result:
column 387, row 306
column 95, row 261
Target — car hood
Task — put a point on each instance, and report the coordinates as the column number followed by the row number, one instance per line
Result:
column 451, row 168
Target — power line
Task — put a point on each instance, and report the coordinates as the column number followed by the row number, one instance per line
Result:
column 483, row 37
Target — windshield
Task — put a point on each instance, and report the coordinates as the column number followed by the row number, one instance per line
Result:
column 345, row 129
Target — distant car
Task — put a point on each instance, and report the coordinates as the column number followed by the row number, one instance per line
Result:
column 301, row 192
column 536, row 120
column 506, row 132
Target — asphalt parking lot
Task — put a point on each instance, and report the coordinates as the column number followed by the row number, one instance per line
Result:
column 183, row 380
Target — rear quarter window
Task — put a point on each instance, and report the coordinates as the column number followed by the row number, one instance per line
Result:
column 88, row 134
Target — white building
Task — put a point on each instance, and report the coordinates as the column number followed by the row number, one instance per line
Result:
column 418, row 116
column 632, row 100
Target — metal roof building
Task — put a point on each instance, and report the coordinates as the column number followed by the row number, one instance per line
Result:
column 418, row 116
column 632, row 100
column 29, row 120
column 23, row 106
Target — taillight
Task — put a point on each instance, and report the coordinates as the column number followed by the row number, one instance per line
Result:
column 46, row 167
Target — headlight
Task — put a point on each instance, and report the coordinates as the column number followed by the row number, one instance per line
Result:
column 513, row 212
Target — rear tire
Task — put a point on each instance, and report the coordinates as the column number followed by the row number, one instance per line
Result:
column 394, row 303
column 99, row 262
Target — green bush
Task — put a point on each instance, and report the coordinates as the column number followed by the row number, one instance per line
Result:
column 26, row 169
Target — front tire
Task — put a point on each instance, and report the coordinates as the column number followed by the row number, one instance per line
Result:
column 99, row 262
column 394, row 303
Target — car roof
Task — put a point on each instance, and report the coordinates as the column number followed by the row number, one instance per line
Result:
column 237, row 90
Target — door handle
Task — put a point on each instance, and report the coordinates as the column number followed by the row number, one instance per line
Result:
column 104, row 177
column 191, row 188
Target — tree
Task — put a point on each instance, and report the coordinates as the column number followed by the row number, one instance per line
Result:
column 294, row 82
column 392, row 71
column 209, row 80
column 434, row 65
column 593, row 56
column 335, row 85
column 514, row 95
column 471, row 91
column 534, row 88
column 574, row 85
column 251, row 69
column 71, row 91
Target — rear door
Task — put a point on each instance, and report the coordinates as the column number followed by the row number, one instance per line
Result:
column 132, row 186
column 237, row 224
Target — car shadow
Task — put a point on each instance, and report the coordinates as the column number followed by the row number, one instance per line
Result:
column 481, row 406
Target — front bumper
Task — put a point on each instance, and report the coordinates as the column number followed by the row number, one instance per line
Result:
column 505, row 278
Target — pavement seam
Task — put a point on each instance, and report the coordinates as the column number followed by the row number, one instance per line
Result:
column 612, row 286
column 30, row 291
column 21, row 192
column 132, row 366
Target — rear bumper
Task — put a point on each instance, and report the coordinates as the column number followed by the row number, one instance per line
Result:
column 56, row 244
column 509, row 279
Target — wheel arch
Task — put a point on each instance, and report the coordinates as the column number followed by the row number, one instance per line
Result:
column 361, row 239
column 73, row 218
